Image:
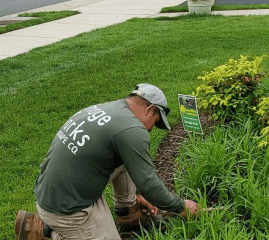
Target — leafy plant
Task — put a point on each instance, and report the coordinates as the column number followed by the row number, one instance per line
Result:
column 231, row 87
column 229, row 162
column 262, row 110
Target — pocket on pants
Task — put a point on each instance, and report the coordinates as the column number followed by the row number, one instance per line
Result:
column 88, row 226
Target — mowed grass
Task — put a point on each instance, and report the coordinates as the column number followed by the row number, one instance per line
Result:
column 40, row 17
column 40, row 90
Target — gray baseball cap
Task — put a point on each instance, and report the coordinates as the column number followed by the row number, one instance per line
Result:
column 156, row 97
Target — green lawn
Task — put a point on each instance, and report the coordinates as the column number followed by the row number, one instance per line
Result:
column 218, row 7
column 41, row 89
column 40, row 17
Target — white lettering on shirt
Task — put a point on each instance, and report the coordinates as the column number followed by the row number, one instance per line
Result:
column 102, row 121
column 62, row 136
column 95, row 113
column 74, row 131
column 84, row 137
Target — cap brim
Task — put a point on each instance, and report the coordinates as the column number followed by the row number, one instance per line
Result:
column 163, row 123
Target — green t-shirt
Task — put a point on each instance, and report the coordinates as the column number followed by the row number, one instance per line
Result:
column 85, row 152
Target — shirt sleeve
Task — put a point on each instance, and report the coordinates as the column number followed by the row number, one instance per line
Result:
column 132, row 146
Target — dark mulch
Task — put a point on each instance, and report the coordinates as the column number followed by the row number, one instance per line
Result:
column 170, row 148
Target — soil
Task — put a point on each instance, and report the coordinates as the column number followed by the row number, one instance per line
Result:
column 170, row 148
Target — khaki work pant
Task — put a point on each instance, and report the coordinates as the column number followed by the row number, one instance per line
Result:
column 96, row 221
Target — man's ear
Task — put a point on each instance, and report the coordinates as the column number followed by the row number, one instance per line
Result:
column 150, row 108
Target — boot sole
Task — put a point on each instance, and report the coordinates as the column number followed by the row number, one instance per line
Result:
column 19, row 226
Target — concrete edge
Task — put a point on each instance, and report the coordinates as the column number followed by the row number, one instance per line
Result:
column 247, row 12
column 68, row 5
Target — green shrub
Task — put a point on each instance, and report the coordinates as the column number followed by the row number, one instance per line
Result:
column 230, row 88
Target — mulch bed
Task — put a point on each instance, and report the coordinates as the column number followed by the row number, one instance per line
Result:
column 170, row 148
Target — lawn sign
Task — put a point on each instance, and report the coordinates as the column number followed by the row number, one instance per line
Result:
column 189, row 113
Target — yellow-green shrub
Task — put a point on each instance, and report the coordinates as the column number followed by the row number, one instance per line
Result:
column 230, row 87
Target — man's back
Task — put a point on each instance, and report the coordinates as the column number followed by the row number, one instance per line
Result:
column 82, row 157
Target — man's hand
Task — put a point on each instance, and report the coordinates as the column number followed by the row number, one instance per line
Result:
column 149, row 208
column 191, row 207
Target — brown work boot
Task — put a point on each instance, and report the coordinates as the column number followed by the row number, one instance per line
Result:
column 131, row 219
column 29, row 226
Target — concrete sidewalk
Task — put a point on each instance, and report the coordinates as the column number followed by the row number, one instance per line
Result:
column 224, row 13
column 94, row 14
